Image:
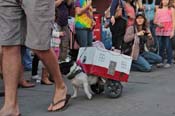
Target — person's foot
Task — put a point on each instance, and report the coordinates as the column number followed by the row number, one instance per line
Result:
column 160, row 65
column 26, row 84
column 167, row 65
column 60, row 95
column 46, row 81
column 10, row 111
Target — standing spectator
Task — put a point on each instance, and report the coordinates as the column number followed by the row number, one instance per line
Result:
column 39, row 17
column 62, row 12
column 138, row 37
column 164, row 19
column 84, row 22
column 118, row 23
column 149, row 7
column 26, row 58
column 35, row 63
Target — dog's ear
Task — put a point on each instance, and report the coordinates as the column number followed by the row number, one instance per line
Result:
column 71, row 63
column 64, row 68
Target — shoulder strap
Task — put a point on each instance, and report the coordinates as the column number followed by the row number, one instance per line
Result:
column 134, row 29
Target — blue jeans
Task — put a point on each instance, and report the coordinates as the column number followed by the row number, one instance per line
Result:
column 144, row 61
column 26, row 58
column 165, row 44
column 84, row 37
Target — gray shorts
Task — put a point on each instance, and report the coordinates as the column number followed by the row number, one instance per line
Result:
column 28, row 23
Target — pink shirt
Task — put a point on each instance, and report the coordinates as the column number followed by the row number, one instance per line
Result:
column 164, row 17
column 130, row 10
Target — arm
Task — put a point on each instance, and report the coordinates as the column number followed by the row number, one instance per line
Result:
column 107, row 12
column 58, row 2
column 69, row 2
column 155, row 19
column 173, row 19
column 140, row 5
column 79, row 10
column 113, row 7
column 156, row 22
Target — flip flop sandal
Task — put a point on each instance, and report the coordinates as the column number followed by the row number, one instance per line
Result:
column 65, row 106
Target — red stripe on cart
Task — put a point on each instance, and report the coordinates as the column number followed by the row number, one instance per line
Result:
column 103, row 72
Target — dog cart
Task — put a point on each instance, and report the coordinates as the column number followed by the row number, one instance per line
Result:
column 112, row 68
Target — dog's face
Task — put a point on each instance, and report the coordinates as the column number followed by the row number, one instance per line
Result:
column 65, row 67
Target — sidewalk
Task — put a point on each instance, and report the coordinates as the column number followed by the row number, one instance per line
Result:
column 146, row 94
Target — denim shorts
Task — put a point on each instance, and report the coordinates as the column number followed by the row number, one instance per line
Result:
column 26, row 22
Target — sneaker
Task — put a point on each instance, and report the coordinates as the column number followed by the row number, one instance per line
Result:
column 36, row 77
column 167, row 65
column 160, row 65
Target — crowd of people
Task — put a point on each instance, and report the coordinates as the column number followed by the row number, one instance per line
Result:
column 146, row 30
column 142, row 29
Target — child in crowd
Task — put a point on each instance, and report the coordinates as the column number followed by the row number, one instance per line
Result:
column 164, row 20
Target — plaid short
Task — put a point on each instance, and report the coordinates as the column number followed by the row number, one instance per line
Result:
column 26, row 22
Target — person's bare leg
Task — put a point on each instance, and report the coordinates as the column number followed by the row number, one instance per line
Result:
column 11, row 61
column 49, row 59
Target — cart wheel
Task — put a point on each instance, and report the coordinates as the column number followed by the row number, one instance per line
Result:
column 97, row 88
column 113, row 89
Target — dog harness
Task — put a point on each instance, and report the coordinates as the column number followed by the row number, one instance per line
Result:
column 74, row 73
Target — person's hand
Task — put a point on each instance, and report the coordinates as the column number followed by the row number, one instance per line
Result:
column 172, row 35
column 141, row 33
column 160, row 25
column 62, row 34
column 113, row 20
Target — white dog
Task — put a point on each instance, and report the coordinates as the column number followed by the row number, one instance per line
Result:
column 79, row 78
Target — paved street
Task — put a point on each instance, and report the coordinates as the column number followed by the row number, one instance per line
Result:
column 146, row 94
